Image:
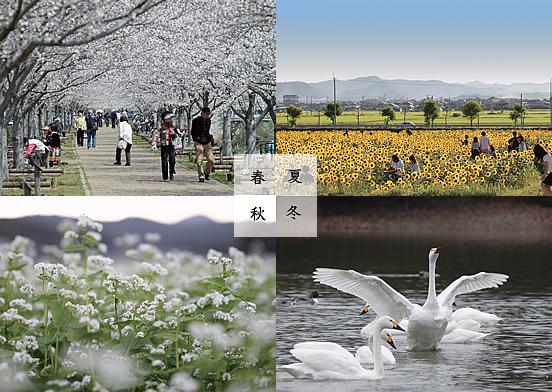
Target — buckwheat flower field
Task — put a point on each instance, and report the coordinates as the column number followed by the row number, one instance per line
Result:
column 77, row 320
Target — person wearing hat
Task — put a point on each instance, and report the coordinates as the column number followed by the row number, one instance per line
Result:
column 201, row 135
column 125, row 140
column 164, row 137
column 80, row 125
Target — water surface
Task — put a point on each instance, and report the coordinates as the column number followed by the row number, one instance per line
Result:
column 515, row 356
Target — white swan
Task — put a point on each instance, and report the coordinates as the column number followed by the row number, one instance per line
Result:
column 365, row 356
column 330, row 361
column 427, row 323
column 474, row 314
column 462, row 336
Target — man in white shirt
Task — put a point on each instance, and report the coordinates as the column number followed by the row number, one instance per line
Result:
column 397, row 166
column 125, row 140
column 485, row 144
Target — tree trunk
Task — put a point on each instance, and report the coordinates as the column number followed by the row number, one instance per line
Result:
column 3, row 153
column 250, row 131
column 17, row 140
column 227, row 134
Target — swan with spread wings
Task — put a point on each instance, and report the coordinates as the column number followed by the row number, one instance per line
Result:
column 428, row 323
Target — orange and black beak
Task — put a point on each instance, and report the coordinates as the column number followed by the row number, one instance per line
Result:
column 397, row 326
column 365, row 310
column 390, row 341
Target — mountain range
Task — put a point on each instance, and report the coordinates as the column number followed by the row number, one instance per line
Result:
column 374, row 87
column 197, row 234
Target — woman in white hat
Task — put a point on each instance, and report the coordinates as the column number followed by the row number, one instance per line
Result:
column 164, row 137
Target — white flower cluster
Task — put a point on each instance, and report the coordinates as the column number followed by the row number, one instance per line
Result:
column 21, row 304
column 85, row 222
column 183, row 382
column 53, row 271
column 101, row 262
column 226, row 316
column 12, row 315
column 132, row 282
column 157, row 269
column 71, row 235
column 27, row 342
column 216, row 298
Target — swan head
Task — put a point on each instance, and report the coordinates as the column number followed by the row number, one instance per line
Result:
column 387, row 322
column 434, row 254
column 365, row 309
column 389, row 340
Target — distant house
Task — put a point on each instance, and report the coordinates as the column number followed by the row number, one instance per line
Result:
column 291, row 100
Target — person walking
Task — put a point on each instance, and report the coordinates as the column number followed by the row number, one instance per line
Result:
column 164, row 137
column 203, row 140
column 80, row 125
column 485, row 144
column 91, row 130
column 542, row 155
column 113, row 119
column 125, row 140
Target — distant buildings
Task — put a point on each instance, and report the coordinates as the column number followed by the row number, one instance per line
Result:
column 291, row 100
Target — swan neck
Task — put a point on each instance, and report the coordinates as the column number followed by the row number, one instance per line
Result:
column 431, row 295
column 376, row 349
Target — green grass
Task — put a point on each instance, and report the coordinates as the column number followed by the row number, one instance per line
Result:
column 70, row 183
column 373, row 118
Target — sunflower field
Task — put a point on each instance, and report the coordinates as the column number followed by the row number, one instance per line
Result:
column 356, row 162
column 73, row 319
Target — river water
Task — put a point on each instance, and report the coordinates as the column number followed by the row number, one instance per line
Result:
column 515, row 356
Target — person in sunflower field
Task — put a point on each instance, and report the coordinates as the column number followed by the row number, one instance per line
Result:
column 165, row 137
column 544, row 157
column 396, row 167
column 475, row 148
column 414, row 165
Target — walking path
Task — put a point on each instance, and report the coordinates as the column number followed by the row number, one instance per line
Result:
column 143, row 178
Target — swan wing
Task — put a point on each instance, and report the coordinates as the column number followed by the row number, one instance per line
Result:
column 327, row 361
column 384, row 299
column 467, row 284
column 322, row 346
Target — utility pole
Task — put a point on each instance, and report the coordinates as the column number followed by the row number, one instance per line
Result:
column 550, row 102
column 335, row 105
column 521, row 102
column 447, row 112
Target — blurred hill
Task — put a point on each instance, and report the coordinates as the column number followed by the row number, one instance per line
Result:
column 197, row 234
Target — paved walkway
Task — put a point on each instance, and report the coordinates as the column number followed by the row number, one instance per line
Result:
column 143, row 178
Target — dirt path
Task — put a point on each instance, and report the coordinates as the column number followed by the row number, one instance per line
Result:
column 143, row 178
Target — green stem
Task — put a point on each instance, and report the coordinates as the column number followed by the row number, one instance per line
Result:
column 56, row 362
column 46, row 348
column 176, row 352
column 130, row 344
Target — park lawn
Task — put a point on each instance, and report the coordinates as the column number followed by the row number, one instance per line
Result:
column 373, row 118
column 217, row 176
column 70, row 184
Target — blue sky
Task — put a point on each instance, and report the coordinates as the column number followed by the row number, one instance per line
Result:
column 502, row 41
